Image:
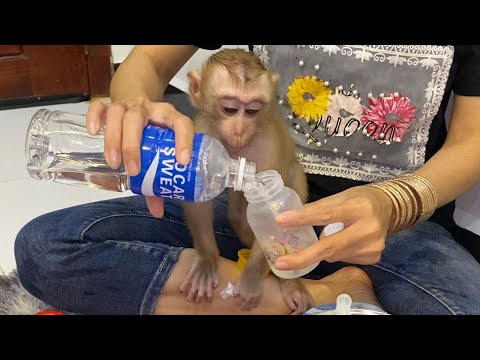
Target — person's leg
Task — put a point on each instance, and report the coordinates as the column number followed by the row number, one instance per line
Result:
column 423, row 271
column 109, row 256
column 349, row 280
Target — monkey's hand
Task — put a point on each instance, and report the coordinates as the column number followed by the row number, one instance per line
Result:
column 296, row 296
column 249, row 290
column 201, row 279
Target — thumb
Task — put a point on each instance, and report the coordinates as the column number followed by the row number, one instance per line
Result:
column 155, row 205
column 319, row 251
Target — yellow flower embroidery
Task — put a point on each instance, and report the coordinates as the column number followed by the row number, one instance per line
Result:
column 308, row 97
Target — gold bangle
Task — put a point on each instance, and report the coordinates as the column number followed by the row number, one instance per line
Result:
column 413, row 200
column 396, row 205
column 426, row 193
column 405, row 206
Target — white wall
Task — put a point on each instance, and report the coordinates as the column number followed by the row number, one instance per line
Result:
column 180, row 81
column 120, row 52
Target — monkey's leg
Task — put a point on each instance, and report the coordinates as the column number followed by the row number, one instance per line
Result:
column 250, row 286
column 203, row 275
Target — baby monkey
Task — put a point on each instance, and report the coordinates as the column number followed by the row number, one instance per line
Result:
column 235, row 96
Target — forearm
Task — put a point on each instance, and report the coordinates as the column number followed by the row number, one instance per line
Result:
column 147, row 71
column 454, row 169
column 137, row 77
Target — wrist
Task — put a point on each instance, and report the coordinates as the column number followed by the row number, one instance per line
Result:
column 413, row 197
column 388, row 206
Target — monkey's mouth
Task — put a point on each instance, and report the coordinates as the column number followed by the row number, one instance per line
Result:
column 236, row 143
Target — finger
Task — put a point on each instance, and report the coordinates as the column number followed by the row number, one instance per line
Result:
column 245, row 305
column 188, row 280
column 239, row 301
column 332, row 200
column 155, row 206
column 166, row 114
column 299, row 303
column 201, row 289
column 215, row 280
column 194, row 288
column 290, row 303
column 210, row 289
column 313, row 215
column 134, row 121
column 113, row 135
column 96, row 114
column 186, row 283
column 185, row 286
column 321, row 250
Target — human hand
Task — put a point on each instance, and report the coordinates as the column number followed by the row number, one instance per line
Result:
column 366, row 214
column 124, row 122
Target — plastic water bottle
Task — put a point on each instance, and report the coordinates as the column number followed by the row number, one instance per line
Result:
column 59, row 149
column 267, row 197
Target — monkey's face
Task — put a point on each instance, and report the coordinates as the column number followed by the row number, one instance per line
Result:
column 240, row 110
column 237, row 122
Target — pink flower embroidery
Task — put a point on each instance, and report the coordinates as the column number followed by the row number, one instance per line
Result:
column 388, row 118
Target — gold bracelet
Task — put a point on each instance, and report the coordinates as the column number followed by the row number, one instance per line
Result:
column 404, row 206
column 413, row 200
column 395, row 202
column 426, row 193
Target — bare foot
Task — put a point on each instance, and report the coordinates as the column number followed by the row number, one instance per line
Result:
column 296, row 295
column 349, row 280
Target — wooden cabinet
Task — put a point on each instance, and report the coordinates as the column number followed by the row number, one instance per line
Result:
column 34, row 73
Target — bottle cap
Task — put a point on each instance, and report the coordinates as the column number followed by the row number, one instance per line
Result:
column 333, row 228
column 241, row 173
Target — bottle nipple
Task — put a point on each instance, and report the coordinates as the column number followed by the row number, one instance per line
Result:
column 344, row 303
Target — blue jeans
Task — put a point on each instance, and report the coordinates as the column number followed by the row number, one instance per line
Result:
column 113, row 257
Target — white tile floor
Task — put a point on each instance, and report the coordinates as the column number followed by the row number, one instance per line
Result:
column 22, row 198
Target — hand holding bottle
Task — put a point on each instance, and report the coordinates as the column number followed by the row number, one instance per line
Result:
column 366, row 213
column 123, row 123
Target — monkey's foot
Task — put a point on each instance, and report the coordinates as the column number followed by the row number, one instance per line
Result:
column 201, row 280
column 249, row 291
column 296, row 296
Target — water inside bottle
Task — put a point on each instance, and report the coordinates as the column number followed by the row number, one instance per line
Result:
column 48, row 160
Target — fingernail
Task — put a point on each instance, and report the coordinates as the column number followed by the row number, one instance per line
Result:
column 132, row 167
column 91, row 128
column 114, row 157
column 185, row 157
column 281, row 265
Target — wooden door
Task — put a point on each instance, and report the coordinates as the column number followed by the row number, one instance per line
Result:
column 37, row 73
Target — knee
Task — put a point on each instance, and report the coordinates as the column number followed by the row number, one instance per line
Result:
column 38, row 254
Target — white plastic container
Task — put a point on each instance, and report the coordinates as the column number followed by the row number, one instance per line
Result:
column 267, row 198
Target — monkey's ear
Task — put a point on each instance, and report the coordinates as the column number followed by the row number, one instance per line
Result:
column 195, row 79
column 275, row 77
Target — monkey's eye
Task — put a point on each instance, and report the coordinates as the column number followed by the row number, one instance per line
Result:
column 251, row 111
column 230, row 110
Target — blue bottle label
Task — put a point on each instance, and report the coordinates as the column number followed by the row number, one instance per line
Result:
column 161, row 174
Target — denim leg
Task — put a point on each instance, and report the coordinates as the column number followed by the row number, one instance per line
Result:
column 423, row 271
column 108, row 257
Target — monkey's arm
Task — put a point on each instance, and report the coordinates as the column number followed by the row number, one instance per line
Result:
column 203, row 275
column 147, row 70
